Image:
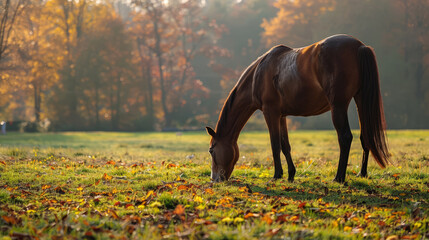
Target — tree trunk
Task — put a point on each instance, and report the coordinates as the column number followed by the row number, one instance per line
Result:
column 37, row 101
column 118, row 104
column 147, row 73
column 158, row 53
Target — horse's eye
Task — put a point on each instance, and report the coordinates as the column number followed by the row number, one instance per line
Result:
column 211, row 150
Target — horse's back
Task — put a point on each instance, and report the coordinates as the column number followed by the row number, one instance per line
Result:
column 307, row 81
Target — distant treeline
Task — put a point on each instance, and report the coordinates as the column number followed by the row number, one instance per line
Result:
column 148, row 65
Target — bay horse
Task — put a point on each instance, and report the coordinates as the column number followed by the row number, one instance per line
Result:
column 304, row 81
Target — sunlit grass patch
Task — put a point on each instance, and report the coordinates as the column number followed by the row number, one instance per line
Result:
column 156, row 186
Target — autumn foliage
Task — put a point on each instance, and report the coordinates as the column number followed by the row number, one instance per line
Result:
column 153, row 64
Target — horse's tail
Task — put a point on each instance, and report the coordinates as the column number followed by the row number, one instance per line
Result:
column 372, row 121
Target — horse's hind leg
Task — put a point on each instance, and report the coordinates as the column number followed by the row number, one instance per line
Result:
column 286, row 149
column 345, row 137
column 363, row 172
column 273, row 122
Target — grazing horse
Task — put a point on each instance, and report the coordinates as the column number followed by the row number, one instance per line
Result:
column 304, row 82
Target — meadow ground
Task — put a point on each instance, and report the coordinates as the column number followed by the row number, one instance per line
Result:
column 104, row 185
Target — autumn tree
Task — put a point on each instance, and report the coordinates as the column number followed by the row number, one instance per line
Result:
column 173, row 34
column 295, row 21
column 414, row 47
column 9, row 10
column 103, row 70
column 69, row 19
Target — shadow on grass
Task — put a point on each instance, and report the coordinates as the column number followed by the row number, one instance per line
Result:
column 355, row 193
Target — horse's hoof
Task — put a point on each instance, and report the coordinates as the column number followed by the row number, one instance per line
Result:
column 363, row 175
column 339, row 180
column 290, row 180
column 278, row 176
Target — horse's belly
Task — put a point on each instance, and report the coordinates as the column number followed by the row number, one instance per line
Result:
column 305, row 102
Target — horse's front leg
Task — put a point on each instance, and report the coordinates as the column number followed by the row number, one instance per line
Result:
column 286, row 149
column 273, row 122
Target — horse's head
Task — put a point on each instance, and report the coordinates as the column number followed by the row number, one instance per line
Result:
column 224, row 156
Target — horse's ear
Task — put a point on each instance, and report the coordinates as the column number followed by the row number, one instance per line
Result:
column 210, row 131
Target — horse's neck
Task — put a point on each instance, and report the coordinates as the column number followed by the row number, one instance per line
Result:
column 240, row 110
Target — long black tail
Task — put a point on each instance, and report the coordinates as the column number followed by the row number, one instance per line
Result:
column 373, row 123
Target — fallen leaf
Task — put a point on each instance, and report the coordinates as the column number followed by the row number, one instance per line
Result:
column 106, row 177
column 392, row 237
column 98, row 181
column 249, row 215
column 209, row 191
column 267, row 218
column 180, row 210
column 272, row 232
column 302, row 205
column 12, row 220
column 238, row 220
column 227, row 220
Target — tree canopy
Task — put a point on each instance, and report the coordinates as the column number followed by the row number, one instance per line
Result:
column 150, row 64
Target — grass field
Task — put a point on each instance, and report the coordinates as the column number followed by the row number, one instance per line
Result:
column 106, row 185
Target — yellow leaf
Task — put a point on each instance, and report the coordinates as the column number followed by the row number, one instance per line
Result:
column 141, row 206
column 227, row 220
column 198, row 199
column 200, row 207
column 238, row 220
column 149, row 194
column 392, row 237
column 155, row 204
column 347, row 229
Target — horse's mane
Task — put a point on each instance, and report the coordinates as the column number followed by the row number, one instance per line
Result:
column 248, row 73
column 252, row 71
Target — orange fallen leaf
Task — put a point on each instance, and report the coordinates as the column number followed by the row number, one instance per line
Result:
column 249, row 215
column 302, row 205
column 171, row 165
column 12, row 220
column 3, row 162
column 347, row 229
column 106, row 177
column 111, row 162
column 415, row 236
column 98, row 181
column 267, row 218
column 294, row 219
column 180, row 210
column 282, row 218
column 182, row 187
column 114, row 214
column 209, row 191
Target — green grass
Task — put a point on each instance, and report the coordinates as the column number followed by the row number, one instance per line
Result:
column 106, row 185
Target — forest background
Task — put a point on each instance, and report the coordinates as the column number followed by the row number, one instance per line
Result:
column 146, row 65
